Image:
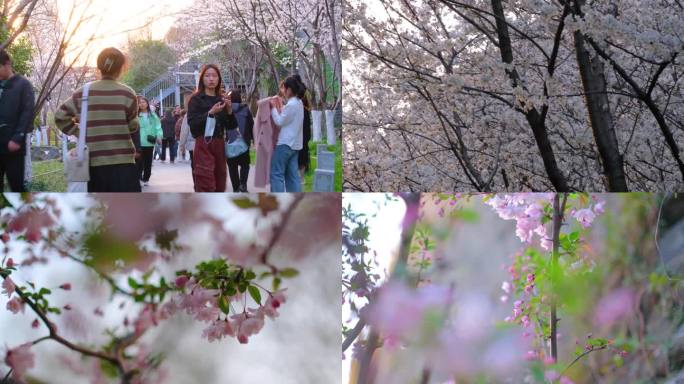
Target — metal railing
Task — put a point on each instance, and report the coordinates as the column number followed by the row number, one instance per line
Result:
column 167, row 88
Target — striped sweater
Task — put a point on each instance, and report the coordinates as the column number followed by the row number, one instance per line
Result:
column 112, row 119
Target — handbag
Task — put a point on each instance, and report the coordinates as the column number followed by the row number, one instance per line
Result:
column 77, row 162
column 237, row 147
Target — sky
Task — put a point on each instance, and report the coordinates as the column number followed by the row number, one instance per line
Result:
column 113, row 19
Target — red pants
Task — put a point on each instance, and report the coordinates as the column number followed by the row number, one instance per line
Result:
column 210, row 171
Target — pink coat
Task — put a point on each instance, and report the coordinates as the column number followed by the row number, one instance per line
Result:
column 265, row 138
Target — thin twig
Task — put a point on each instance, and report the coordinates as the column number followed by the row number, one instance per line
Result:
column 581, row 356
column 353, row 334
column 279, row 230
column 54, row 336
column 558, row 212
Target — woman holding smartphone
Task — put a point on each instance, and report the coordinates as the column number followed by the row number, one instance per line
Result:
column 209, row 103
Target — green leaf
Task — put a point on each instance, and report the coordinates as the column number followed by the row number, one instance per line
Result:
column 223, row 304
column 574, row 236
column 242, row 287
column 245, row 203
column 254, row 292
column 54, row 310
column 109, row 369
column 250, row 275
column 276, row 283
column 132, row 283
column 467, row 215
column 231, row 291
column 105, row 250
column 598, row 342
column 44, row 291
column 288, row 273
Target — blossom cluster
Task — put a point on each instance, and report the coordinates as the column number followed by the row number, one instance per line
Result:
column 212, row 307
column 532, row 211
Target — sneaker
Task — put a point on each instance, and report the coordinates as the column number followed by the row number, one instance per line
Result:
column 243, row 188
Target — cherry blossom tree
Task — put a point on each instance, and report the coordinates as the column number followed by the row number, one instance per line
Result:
column 531, row 95
column 128, row 243
column 574, row 296
column 15, row 16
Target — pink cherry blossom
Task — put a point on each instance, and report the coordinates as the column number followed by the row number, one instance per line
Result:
column 614, row 306
column 181, row 281
column 31, row 221
column 390, row 311
column 66, row 286
column 599, row 208
column 10, row 263
column 8, row 286
column 585, row 217
column 16, row 305
column 168, row 309
column 551, row 375
column 218, row 330
column 20, row 359
column 525, row 321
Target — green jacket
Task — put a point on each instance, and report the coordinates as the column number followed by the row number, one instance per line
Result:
column 149, row 126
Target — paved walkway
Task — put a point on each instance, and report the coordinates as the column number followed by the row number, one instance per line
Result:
column 177, row 177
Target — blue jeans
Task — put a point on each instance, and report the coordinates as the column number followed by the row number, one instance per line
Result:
column 285, row 170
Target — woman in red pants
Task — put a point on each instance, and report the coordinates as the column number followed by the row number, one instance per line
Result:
column 209, row 156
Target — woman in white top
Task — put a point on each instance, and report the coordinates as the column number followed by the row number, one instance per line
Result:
column 290, row 119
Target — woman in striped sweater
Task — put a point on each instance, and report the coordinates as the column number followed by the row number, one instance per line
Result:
column 112, row 129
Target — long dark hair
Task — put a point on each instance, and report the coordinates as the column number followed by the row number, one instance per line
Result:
column 201, row 88
column 302, row 92
column 149, row 110
column 293, row 84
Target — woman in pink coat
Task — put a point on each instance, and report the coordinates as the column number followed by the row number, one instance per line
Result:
column 265, row 139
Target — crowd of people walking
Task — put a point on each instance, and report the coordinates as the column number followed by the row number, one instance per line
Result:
column 125, row 133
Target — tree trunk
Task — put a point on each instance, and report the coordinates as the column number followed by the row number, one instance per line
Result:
column 534, row 118
column 600, row 116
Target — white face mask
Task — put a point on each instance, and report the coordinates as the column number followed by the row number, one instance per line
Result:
column 210, row 127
